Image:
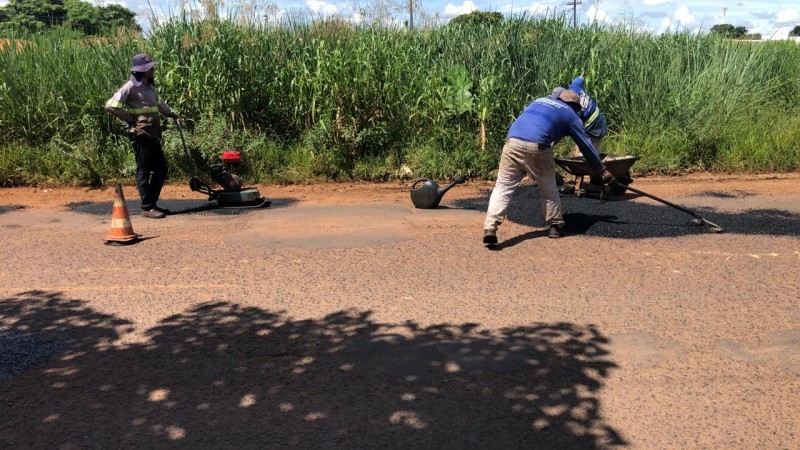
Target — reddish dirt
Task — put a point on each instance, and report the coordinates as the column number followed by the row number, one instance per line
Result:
column 331, row 193
column 342, row 317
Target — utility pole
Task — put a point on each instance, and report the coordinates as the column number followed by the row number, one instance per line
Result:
column 574, row 4
column 410, row 14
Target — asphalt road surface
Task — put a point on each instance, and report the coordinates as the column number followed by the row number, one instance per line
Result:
column 342, row 317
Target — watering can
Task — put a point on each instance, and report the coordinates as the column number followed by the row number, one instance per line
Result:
column 426, row 194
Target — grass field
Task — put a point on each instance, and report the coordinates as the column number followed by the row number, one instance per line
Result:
column 329, row 100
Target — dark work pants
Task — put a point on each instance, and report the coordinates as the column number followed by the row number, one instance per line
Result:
column 151, row 169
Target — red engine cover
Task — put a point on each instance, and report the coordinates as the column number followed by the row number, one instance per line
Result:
column 231, row 157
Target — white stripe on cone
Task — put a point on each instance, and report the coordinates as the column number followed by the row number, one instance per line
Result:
column 121, row 223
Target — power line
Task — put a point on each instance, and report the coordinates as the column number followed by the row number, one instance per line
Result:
column 574, row 4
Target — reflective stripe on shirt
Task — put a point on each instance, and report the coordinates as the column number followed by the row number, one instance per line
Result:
column 147, row 110
column 592, row 118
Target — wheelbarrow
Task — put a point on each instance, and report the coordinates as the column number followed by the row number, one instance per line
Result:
column 618, row 165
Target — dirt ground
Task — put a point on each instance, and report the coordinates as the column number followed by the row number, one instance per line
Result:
column 342, row 317
column 331, row 193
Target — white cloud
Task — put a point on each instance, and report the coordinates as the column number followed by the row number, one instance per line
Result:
column 666, row 24
column 322, row 7
column 3, row 2
column 655, row 2
column 788, row 15
column 537, row 8
column 357, row 18
column 683, row 15
column 777, row 33
column 465, row 8
column 597, row 14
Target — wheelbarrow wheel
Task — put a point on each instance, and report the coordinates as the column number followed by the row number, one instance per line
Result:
column 619, row 189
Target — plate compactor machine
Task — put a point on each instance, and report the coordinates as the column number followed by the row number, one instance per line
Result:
column 232, row 194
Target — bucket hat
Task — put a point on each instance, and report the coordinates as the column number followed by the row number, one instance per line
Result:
column 568, row 96
column 140, row 64
column 556, row 92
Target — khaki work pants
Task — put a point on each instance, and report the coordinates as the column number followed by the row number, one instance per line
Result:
column 597, row 142
column 520, row 158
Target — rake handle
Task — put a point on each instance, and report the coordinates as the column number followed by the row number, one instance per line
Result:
column 192, row 170
column 659, row 199
column 669, row 203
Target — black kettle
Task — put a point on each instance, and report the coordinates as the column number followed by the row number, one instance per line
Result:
column 426, row 194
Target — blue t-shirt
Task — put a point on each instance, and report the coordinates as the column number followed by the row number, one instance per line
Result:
column 547, row 121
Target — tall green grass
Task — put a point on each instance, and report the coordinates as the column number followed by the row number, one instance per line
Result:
column 329, row 100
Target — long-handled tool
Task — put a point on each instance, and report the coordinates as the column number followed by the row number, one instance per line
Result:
column 698, row 219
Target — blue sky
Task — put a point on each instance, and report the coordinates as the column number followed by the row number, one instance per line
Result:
column 773, row 19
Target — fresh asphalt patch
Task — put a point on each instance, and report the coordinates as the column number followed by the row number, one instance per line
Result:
column 621, row 218
column 717, row 194
column 175, row 206
column 8, row 208
column 626, row 219
column 328, row 226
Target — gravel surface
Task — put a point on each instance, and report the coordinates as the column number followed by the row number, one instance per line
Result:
column 342, row 317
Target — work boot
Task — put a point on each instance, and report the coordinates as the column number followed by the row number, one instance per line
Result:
column 153, row 213
column 161, row 210
column 489, row 238
column 555, row 232
column 568, row 188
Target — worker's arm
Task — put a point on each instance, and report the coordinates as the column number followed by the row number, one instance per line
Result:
column 116, row 104
column 578, row 135
column 164, row 109
column 578, row 83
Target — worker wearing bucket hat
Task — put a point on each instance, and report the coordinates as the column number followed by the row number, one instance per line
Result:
column 594, row 122
column 138, row 105
column 529, row 150
column 140, row 64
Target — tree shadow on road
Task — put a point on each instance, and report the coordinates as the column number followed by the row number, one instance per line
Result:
column 223, row 375
column 635, row 220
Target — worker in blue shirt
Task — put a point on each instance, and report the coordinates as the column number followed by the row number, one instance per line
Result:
column 529, row 150
column 594, row 122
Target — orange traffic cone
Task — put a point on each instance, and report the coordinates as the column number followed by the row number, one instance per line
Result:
column 121, row 229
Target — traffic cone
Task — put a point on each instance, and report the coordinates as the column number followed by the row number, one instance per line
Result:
column 121, row 229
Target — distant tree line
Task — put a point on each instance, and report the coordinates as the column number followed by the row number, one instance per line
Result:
column 478, row 18
column 729, row 31
column 41, row 15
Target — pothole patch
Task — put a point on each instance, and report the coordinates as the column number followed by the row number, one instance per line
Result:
column 324, row 227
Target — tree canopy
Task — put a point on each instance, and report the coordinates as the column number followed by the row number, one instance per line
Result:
column 795, row 31
column 478, row 18
column 41, row 15
column 729, row 31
